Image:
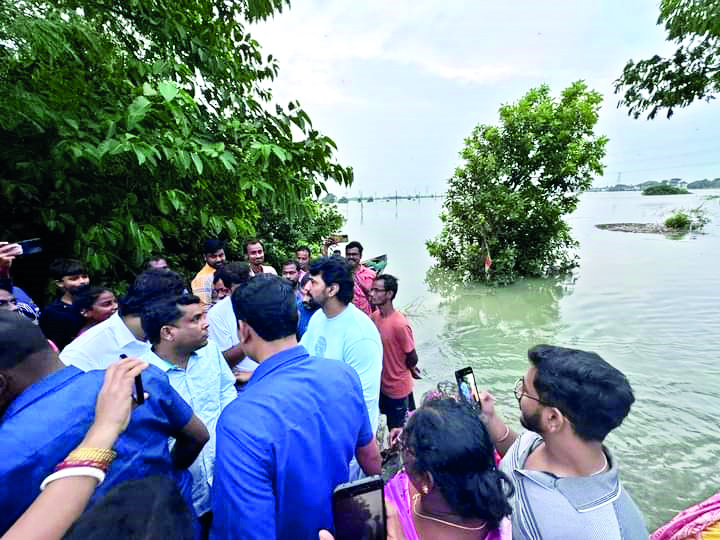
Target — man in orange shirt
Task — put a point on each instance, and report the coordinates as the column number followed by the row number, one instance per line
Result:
column 399, row 356
column 202, row 284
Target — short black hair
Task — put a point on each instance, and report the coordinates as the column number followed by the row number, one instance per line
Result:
column 304, row 248
column 354, row 244
column 163, row 312
column 61, row 268
column 267, row 304
column 452, row 444
column 335, row 270
column 212, row 245
column 390, row 283
column 149, row 286
column 19, row 338
column 233, row 273
column 252, row 241
column 289, row 262
column 86, row 296
column 154, row 258
column 6, row 285
column 593, row 395
column 151, row 507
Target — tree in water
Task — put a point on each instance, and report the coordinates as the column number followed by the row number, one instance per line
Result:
column 691, row 73
column 133, row 126
column 503, row 215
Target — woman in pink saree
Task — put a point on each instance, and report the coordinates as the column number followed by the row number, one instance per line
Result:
column 449, row 488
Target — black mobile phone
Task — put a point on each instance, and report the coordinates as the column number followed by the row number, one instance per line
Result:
column 466, row 384
column 31, row 246
column 139, row 390
column 359, row 510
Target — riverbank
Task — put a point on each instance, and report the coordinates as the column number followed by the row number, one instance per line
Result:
column 643, row 228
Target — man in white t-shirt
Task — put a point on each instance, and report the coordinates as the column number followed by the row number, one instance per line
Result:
column 341, row 331
column 255, row 253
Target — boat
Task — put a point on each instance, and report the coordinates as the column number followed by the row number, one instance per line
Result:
column 377, row 264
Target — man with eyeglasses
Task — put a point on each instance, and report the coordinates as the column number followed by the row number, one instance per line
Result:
column 399, row 356
column 566, row 481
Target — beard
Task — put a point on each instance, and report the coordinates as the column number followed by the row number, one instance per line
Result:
column 531, row 422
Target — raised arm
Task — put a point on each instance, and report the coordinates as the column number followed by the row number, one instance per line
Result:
column 502, row 436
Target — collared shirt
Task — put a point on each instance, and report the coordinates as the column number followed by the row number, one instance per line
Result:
column 208, row 386
column 283, row 445
column 546, row 507
column 50, row 418
column 365, row 276
column 265, row 270
column 223, row 330
column 202, row 284
column 352, row 338
column 397, row 340
column 102, row 344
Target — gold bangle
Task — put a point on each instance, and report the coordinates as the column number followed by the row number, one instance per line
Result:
column 507, row 434
column 101, row 455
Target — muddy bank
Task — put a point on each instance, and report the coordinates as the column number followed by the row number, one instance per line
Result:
column 653, row 228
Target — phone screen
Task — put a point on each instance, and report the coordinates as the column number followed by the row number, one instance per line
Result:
column 466, row 384
column 359, row 510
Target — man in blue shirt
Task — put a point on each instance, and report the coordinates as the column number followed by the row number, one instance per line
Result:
column 286, row 442
column 178, row 330
column 46, row 409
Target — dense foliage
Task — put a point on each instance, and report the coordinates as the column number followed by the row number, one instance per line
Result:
column 705, row 184
column 684, row 220
column 665, row 189
column 691, row 73
column 505, row 205
column 134, row 126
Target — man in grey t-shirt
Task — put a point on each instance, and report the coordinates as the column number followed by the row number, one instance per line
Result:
column 566, row 482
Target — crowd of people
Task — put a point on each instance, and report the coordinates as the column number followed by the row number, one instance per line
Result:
column 231, row 407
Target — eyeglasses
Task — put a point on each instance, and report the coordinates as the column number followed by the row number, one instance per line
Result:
column 520, row 391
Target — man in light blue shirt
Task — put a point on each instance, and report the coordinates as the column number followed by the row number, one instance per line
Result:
column 177, row 328
column 340, row 331
column 122, row 333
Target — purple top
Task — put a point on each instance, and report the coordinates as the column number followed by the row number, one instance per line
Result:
column 398, row 493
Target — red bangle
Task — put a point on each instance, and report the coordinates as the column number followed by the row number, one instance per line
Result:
column 67, row 464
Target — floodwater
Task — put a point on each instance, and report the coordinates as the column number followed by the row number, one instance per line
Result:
column 648, row 304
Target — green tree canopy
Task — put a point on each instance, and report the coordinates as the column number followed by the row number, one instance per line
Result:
column 132, row 126
column 505, row 204
column 693, row 72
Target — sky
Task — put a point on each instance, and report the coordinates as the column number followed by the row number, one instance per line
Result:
column 399, row 84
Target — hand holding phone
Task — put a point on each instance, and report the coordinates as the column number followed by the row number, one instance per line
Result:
column 359, row 510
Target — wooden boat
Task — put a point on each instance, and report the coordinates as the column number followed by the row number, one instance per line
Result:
column 377, row 264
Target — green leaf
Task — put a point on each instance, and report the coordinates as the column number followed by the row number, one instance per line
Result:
column 198, row 162
column 168, row 90
column 148, row 90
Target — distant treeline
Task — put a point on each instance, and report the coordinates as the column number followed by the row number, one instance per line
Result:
column 676, row 182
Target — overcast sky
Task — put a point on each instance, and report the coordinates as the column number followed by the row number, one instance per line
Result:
column 399, row 84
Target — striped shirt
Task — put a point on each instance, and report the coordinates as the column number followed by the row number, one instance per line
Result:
column 546, row 507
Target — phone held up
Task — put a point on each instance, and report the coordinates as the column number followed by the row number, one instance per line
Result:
column 359, row 510
column 466, row 385
column 139, row 390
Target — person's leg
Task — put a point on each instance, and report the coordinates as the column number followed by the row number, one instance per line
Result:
column 411, row 402
column 395, row 410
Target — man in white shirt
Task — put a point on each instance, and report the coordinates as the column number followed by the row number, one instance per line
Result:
column 122, row 333
column 223, row 324
column 255, row 254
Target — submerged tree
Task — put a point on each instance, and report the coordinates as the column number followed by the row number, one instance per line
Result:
column 131, row 126
column 691, row 73
column 503, row 215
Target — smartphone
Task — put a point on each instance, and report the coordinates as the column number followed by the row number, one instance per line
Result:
column 359, row 510
column 139, row 390
column 466, row 384
column 31, row 246
column 340, row 238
